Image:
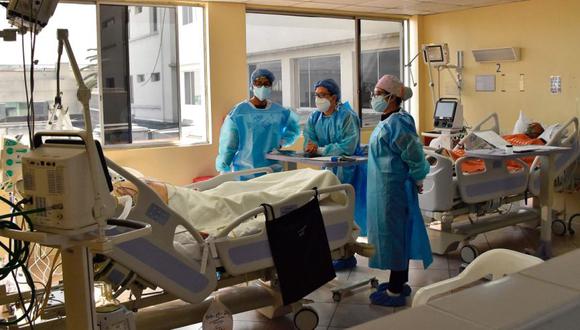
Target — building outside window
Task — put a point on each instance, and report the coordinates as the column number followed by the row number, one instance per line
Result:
column 142, row 81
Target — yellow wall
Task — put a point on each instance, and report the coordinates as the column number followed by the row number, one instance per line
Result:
column 546, row 30
column 226, row 52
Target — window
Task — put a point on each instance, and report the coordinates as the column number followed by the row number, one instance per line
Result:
column 153, row 109
column 375, row 64
column 186, row 15
column 276, row 68
column 80, row 20
column 192, row 96
column 381, row 55
column 299, row 52
column 312, row 70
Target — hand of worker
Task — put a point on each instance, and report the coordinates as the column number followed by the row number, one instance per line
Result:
column 419, row 187
column 311, row 148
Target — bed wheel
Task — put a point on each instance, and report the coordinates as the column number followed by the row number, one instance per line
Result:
column 374, row 283
column 306, row 319
column 559, row 227
column 336, row 296
column 570, row 229
column 468, row 253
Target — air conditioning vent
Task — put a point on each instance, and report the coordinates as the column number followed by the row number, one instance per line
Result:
column 497, row 54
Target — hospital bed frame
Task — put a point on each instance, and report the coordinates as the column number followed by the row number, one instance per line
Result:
column 157, row 261
column 485, row 198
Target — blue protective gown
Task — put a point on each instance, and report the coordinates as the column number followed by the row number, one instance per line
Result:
column 339, row 135
column 396, row 162
column 248, row 133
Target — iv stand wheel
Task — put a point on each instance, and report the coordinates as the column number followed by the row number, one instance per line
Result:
column 468, row 253
column 306, row 319
column 559, row 227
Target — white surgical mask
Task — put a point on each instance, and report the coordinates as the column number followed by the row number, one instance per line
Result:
column 263, row 92
column 322, row 104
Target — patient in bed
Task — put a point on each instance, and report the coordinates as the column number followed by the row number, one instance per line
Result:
column 530, row 137
column 212, row 210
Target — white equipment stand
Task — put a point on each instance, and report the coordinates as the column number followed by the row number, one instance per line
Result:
column 546, row 191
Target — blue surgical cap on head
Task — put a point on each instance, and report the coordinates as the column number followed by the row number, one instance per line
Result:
column 330, row 85
column 262, row 73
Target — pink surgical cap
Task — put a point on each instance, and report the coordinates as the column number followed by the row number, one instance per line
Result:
column 393, row 85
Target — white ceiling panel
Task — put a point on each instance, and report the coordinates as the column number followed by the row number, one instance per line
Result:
column 398, row 7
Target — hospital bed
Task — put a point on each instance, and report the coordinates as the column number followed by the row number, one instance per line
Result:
column 458, row 206
column 186, row 266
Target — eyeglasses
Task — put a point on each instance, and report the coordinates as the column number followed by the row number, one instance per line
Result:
column 383, row 94
column 322, row 95
column 262, row 83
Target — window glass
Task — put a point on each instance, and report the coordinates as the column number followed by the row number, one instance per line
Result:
column 304, row 50
column 160, row 106
column 380, row 45
column 80, row 20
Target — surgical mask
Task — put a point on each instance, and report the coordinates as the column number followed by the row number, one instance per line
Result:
column 262, row 93
column 322, row 104
column 379, row 104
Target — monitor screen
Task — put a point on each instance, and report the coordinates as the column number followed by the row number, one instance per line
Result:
column 434, row 54
column 445, row 109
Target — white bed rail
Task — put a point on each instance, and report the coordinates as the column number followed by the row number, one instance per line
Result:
column 155, row 257
column 226, row 177
column 496, row 181
column 562, row 138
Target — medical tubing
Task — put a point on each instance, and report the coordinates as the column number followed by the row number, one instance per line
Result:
column 18, row 254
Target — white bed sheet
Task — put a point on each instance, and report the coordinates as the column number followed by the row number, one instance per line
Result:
column 212, row 210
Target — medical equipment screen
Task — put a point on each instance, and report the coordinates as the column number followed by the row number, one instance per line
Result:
column 445, row 109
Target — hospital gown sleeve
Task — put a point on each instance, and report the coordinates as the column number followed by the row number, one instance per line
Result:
column 309, row 133
column 291, row 131
column 229, row 140
column 348, row 140
column 413, row 155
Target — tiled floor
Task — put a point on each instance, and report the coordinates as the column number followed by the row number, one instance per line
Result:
column 355, row 308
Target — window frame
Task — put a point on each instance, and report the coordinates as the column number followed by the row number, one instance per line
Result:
column 404, row 48
column 204, row 67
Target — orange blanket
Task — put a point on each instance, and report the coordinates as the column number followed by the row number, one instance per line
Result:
column 477, row 165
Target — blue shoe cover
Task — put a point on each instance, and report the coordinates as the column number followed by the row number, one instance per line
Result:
column 342, row 264
column 382, row 298
column 406, row 288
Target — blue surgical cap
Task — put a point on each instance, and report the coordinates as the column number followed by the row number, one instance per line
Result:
column 262, row 73
column 330, row 85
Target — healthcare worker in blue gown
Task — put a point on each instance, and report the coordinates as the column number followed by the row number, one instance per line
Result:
column 396, row 168
column 334, row 130
column 255, row 127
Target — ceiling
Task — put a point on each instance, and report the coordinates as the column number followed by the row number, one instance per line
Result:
column 399, row 7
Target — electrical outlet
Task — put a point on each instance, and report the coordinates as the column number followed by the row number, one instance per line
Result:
column 522, row 87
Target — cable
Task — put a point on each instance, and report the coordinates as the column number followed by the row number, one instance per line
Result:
column 18, row 253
